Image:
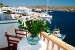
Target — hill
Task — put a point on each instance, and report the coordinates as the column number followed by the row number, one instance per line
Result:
column 59, row 8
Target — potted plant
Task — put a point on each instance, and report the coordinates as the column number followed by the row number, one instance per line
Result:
column 34, row 27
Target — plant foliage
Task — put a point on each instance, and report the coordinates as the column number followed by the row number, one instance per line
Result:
column 34, row 27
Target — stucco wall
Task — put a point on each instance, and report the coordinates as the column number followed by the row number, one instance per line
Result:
column 3, row 26
column 8, row 16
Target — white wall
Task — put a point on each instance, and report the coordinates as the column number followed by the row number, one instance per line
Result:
column 3, row 40
column 0, row 10
column 5, row 16
column 8, row 16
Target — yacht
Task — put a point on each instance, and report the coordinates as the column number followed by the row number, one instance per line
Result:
column 56, row 32
column 47, row 15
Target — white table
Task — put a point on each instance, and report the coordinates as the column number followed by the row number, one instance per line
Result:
column 24, row 45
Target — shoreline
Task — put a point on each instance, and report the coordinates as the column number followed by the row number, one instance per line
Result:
column 58, row 8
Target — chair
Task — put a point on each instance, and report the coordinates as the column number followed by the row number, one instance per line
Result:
column 12, row 41
column 21, row 33
column 13, row 36
column 12, row 31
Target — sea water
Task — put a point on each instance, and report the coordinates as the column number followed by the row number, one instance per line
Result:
column 65, row 21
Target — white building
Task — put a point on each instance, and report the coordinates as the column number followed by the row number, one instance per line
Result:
column 16, row 9
column 0, row 10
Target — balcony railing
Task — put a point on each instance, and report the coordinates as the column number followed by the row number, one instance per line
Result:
column 54, row 43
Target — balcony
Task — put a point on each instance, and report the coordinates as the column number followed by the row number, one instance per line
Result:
column 52, row 42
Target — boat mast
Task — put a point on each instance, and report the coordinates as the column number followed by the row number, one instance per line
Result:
column 47, row 5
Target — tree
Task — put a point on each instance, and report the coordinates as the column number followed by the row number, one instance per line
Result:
column 7, row 12
column 1, row 4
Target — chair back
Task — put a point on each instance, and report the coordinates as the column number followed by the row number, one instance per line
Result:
column 17, row 32
column 21, row 33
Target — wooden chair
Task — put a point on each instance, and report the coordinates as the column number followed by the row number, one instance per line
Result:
column 21, row 33
column 12, row 31
column 12, row 41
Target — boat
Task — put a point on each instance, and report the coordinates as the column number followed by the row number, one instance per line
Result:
column 56, row 32
column 46, row 14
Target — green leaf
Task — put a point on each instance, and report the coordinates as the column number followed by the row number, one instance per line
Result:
column 20, row 21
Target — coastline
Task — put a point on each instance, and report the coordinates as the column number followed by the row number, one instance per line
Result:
column 58, row 8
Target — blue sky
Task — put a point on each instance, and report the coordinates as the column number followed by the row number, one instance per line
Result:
column 17, row 3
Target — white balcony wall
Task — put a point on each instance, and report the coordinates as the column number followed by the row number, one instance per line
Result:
column 3, row 26
column 8, row 16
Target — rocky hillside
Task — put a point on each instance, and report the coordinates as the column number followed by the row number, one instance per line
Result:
column 59, row 8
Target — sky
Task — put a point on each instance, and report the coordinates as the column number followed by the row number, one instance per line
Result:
column 17, row 3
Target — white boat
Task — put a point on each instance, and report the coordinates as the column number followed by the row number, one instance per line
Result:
column 56, row 32
column 46, row 15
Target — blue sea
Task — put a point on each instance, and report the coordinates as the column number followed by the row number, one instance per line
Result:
column 65, row 21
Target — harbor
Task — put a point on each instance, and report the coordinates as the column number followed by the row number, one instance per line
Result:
column 58, row 20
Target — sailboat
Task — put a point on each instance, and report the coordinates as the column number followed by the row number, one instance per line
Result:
column 46, row 15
